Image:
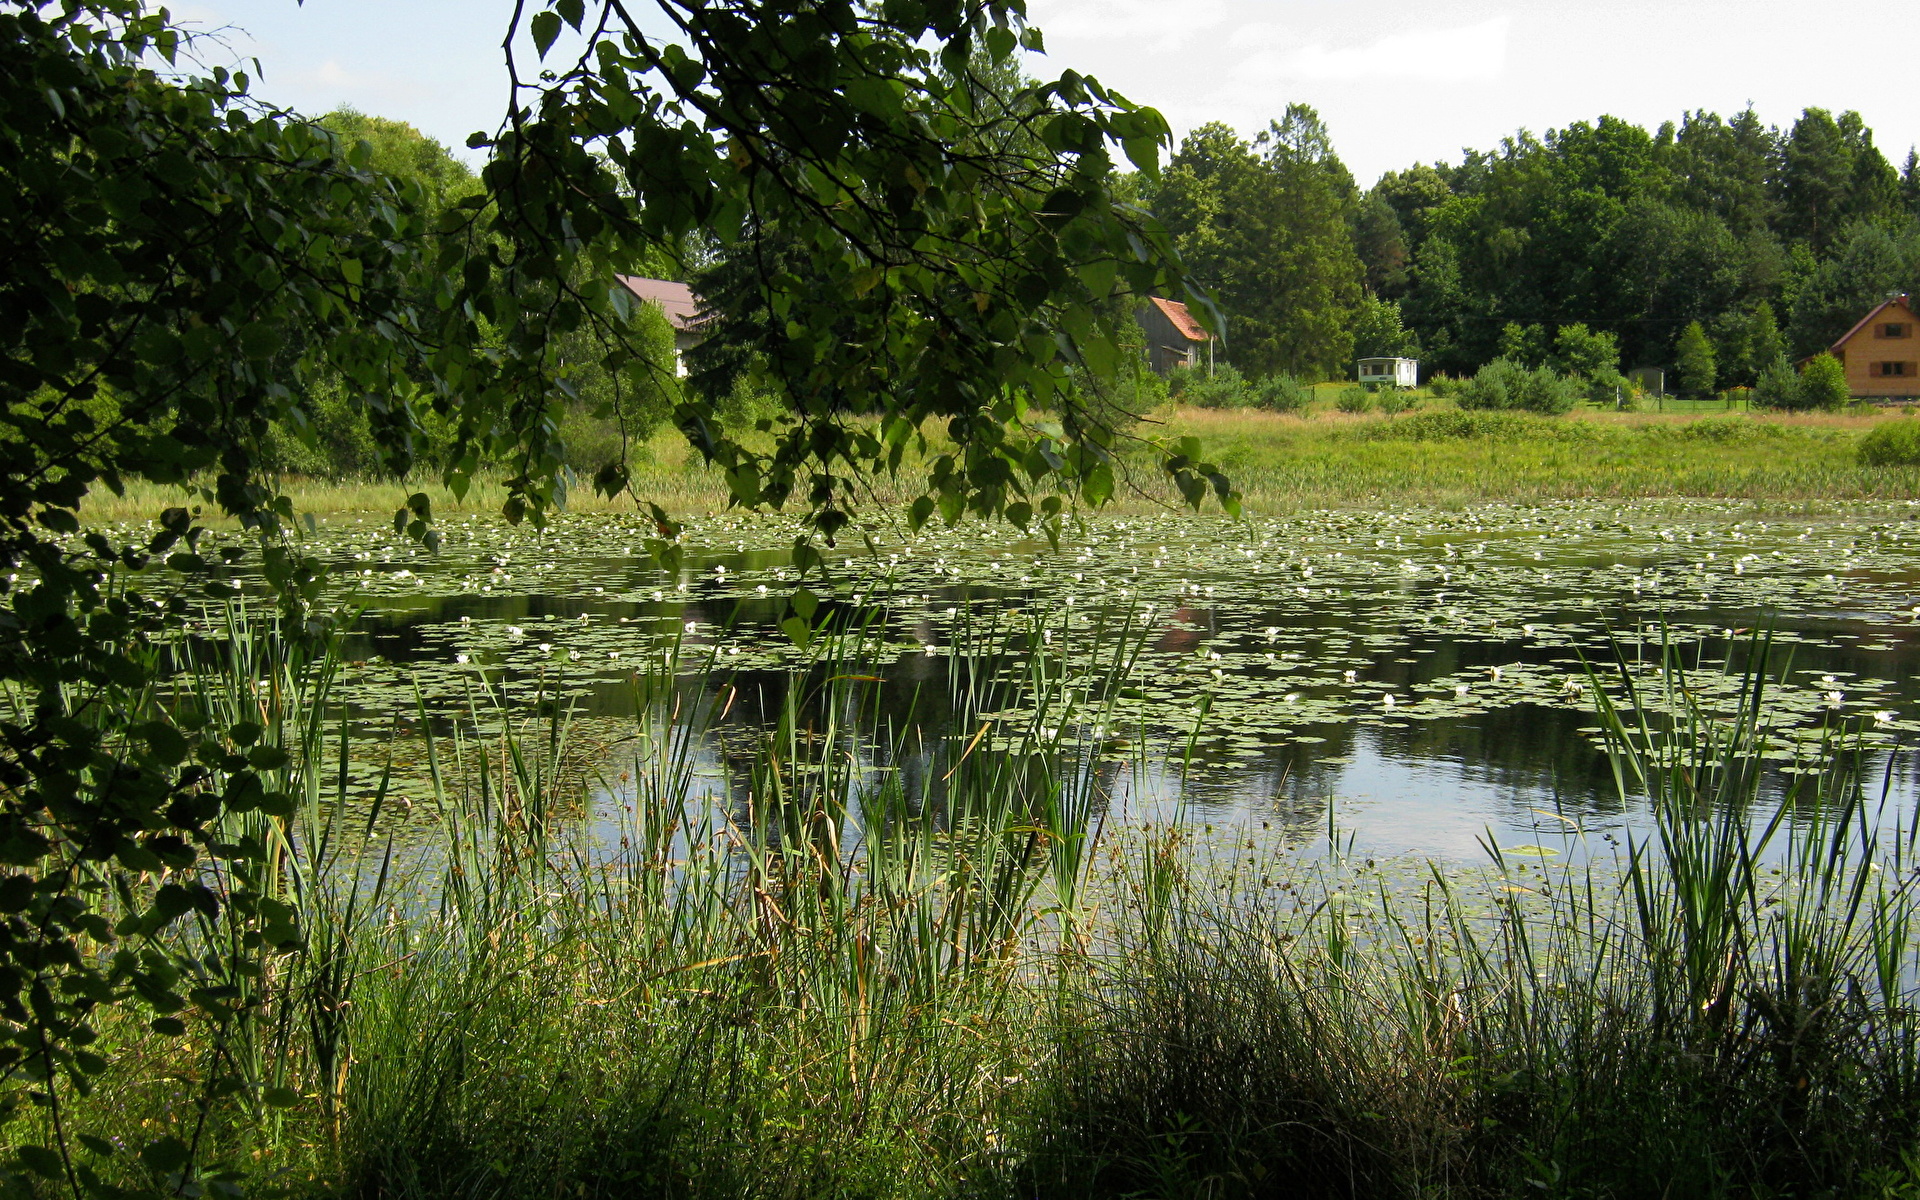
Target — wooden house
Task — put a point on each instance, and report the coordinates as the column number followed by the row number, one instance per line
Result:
column 1882, row 352
column 1393, row 372
column 1174, row 338
column 682, row 309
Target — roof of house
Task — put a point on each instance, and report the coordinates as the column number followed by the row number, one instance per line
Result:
column 1877, row 310
column 1182, row 320
column 675, row 299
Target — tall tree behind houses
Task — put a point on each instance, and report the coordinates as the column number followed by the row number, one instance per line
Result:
column 1269, row 227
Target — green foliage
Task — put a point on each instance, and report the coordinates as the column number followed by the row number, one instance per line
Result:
column 1638, row 235
column 1892, row 444
column 1282, row 393
column 1586, row 354
column 197, row 286
column 1528, row 345
column 1394, row 401
column 1490, row 425
column 1505, row 384
column 1823, row 383
column 1694, row 362
column 1265, row 226
column 1210, row 387
column 1353, row 400
column 398, row 150
column 1590, row 359
column 1779, row 387
column 1378, row 332
column 1728, row 430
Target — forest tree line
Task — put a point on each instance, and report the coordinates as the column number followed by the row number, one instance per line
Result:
column 1718, row 249
column 1772, row 242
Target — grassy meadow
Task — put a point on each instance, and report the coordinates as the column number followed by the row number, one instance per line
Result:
column 1329, row 459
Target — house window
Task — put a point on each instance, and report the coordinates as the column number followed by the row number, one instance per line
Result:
column 1889, row 370
column 1892, row 329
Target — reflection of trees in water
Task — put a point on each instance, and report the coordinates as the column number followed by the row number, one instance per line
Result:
column 906, row 746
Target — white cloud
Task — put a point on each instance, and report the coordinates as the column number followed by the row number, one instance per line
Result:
column 1466, row 54
column 1163, row 24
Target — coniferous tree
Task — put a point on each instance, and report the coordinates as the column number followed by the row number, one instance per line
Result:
column 1693, row 361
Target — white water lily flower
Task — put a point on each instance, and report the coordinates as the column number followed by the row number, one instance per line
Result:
column 514, row 631
column 1273, row 631
column 1885, row 716
column 1459, row 689
column 1494, row 671
column 1834, row 698
column 573, row 656
column 1293, row 697
column 1351, row 676
column 460, row 658
column 1387, row 701
column 466, row 620
column 692, row 626
column 546, row 647
column 761, row 588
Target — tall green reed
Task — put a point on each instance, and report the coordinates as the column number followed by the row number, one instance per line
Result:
column 759, row 957
column 1720, row 1003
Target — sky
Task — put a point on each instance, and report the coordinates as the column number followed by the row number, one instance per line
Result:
column 1397, row 81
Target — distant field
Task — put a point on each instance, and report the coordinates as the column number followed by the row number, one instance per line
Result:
column 1332, row 459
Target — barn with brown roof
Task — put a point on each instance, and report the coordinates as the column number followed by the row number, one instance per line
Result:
column 1174, row 338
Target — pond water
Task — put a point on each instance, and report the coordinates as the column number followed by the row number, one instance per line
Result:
column 1423, row 672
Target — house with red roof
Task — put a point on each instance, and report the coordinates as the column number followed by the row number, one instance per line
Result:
column 1174, row 338
column 1882, row 352
column 681, row 307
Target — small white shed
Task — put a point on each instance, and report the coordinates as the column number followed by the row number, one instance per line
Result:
column 1400, row 372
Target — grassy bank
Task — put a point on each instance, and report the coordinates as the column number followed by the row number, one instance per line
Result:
column 1329, row 459
column 776, row 975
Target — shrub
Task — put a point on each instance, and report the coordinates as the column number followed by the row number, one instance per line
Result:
column 1823, row 384
column 1353, row 400
column 1223, row 388
column 1442, row 386
column 1282, row 393
column 1892, row 444
column 1393, row 402
column 1505, row 384
column 1446, row 425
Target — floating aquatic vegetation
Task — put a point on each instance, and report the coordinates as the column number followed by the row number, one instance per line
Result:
column 1293, row 635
